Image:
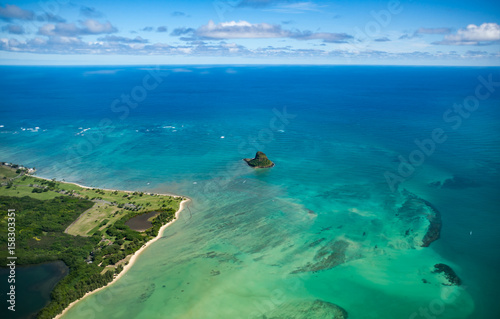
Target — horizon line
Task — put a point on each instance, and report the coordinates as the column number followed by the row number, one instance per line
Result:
column 243, row 64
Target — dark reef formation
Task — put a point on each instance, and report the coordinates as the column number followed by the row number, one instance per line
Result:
column 306, row 309
column 328, row 256
column 416, row 213
column 449, row 274
column 260, row 161
column 148, row 291
column 434, row 230
column 456, row 182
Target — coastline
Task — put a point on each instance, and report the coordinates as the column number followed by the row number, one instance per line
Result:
column 104, row 189
column 132, row 259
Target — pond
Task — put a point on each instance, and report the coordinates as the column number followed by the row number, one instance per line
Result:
column 141, row 222
column 33, row 285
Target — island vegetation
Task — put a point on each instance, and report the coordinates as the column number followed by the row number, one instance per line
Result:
column 260, row 161
column 84, row 227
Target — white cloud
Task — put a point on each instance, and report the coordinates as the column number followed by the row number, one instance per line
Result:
column 486, row 33
column 325, row 36
column 247, row 30
column 62, row 29
column 114, row 38
column 49, row 17
column 74, row 45
column 13, row 29
column 421, row 31
column 95, row 27
column 433, row 31
column 89, row 26
column 239, row 30
column 11, row 11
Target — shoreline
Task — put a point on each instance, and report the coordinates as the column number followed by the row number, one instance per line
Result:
column 132, row 259
column 105, row 189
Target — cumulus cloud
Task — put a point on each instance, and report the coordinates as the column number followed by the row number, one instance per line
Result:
column 158, row 29
column 486, row 33
column 182, row 31
column 49, row 17
column 62, row 29
column 239, row 30
column 75, row 45
column 114, row 38
column 13, row 29
column 89, row 26
column 247, row 30
column 325, row 36
column 424, row 31
column 11, row 11
column 433, row 31
column 406, row 36
column 95, row 27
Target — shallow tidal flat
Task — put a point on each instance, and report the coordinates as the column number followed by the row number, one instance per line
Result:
column 280, row 259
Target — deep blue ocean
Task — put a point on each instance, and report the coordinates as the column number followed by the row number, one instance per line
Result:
column 338, row 136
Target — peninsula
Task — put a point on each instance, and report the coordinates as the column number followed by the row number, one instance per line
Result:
column 82, row 226
column 260, row 161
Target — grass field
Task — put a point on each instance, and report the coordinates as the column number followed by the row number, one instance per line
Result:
column 91, row 220
column 151, row 201
column 110, row 205
column 7, row 172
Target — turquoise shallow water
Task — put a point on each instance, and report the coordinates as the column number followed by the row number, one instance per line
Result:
column 235, row 253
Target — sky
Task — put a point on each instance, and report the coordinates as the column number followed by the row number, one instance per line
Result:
column 411, row 32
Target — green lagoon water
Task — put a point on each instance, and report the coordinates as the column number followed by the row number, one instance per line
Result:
column 249, row 241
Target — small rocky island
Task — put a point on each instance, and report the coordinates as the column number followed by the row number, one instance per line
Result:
column 260, row 161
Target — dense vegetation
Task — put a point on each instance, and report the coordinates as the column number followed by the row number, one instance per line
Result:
column 260, row 161
column 39, row 228
column 39, row 238
column 44, row 210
